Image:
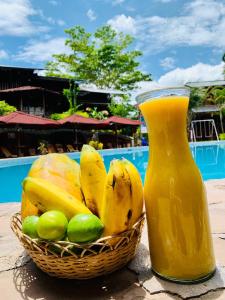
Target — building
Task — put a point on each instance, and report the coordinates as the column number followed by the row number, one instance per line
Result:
column 40, row 95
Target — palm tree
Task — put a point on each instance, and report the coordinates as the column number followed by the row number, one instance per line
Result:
column 223, row 59
column 219, row 99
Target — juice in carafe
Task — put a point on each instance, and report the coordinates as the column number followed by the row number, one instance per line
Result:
column 177, row 214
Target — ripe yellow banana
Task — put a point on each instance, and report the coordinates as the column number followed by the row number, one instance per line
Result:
column 48, row 196
column 117, row 204
column 93, row 177
column 136, row 190
column 123, row 198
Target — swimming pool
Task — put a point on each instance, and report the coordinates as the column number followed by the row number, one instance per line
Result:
column 209, row 156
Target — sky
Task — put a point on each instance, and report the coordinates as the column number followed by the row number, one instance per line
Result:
column 181, row 41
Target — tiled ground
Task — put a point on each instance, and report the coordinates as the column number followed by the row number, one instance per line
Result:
column 20, row 279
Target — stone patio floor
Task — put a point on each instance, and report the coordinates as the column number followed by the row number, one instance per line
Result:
column 21, row 279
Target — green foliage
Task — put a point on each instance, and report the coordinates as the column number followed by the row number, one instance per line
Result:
column 223, row 59
column 82, row 113
column 5, row 108
column 60, row 116
column 207, row 96
column 219, row 96
column 222, row 136
column 123, row 108
column 56, row 116
column 94, row 113
column 196, row 98
column 102, row 58
column 71, row 96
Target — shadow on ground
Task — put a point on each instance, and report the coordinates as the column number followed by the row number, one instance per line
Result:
column 156, row 285
column 32, row 283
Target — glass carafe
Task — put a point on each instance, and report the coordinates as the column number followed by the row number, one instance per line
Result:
column 179, row 234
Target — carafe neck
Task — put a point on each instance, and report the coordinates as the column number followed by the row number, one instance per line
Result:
column 166, row 120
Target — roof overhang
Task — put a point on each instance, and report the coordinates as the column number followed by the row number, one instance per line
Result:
column 206, row 109
column 205, row 83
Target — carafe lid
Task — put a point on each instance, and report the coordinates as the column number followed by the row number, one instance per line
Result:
column 163, row 92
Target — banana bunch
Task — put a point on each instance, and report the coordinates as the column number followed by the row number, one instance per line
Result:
column 122, row 197
column 115, row 197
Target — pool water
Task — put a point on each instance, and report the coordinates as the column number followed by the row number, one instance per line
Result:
column 210, row 158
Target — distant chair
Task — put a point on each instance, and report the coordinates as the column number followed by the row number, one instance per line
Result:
column 109, row 145
column 70, row 148
column 7, row 153
column 59, row 148
column 51, row 148
column 32, row 151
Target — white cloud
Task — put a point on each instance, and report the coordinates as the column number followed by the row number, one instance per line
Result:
column 52, row 21
column 3, row 54
column 14, row 18
column 180, row 76
column 116, row 2
column 123, row 23
column 53, row 2
column 41, row 51
column 198, row 72
column 167, row 63
column 91, row 15
column 61, row 22
column 130, row 8
column 164, row 1
column 201, row 23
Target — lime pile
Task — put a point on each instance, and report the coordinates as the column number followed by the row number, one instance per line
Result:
column 54, row 226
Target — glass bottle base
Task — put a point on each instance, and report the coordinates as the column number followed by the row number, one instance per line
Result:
column 185, row 281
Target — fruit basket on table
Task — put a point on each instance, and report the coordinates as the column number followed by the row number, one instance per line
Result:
column 81, row 261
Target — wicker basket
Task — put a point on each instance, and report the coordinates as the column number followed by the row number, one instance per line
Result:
column 75, row 261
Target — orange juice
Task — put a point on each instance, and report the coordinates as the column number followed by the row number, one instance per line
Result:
column 177, row 214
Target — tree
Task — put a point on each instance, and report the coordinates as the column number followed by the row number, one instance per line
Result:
column 123, row 108
column 195, row 98
column 219, row 99
column 223, row 58
column 71, row 96
column 102, row 58
column 5, row 108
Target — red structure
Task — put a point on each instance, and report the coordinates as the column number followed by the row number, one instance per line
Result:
column 21, row 118
column 121, row 121
column 76, row 119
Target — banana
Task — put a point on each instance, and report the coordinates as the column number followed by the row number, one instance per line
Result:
column 123, row 198
column 117, row 202
column 93, row 177
column 136, row 190
column 48, row 196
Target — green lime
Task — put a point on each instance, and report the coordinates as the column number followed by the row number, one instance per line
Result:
column 84, row 228
column 29, row 226
column 52, row 225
